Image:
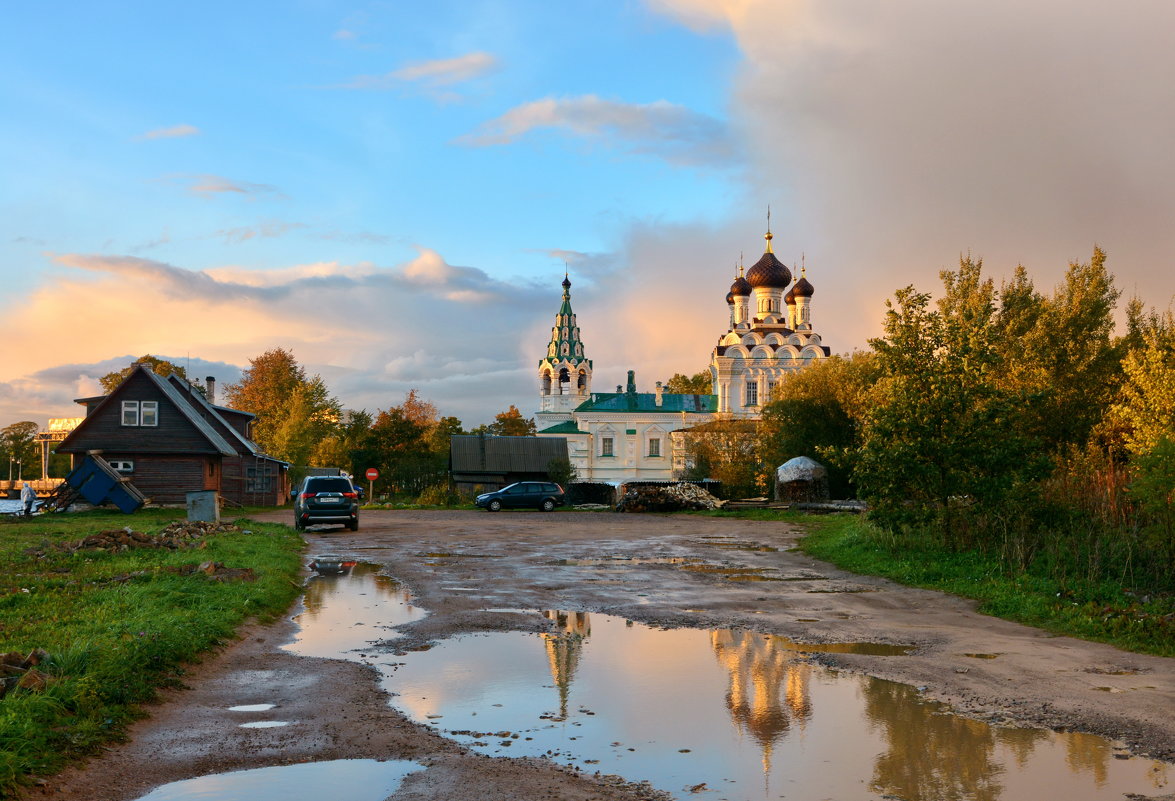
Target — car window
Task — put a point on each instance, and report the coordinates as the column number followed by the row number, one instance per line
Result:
column 550, row 488
column 516, row 489
column 327, row 484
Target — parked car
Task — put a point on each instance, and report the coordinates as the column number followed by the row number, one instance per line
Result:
column 544, row 495
column 326, row 499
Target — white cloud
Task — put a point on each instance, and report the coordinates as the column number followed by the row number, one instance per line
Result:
column 174, row 132
column 431, row 74
column 206, row 185
column 663, row 129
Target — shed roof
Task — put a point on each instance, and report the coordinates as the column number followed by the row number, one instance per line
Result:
column 473, row 453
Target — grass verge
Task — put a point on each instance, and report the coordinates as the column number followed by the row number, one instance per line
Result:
column 1100, row 611
column 118, row 625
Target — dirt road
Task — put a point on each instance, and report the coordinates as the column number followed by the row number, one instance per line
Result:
column 674, row 571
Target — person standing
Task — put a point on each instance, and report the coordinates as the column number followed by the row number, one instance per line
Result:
column 28, row 497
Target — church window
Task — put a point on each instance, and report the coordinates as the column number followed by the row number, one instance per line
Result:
column 606, row 446
column 563, row 349
column 564, row 332
column 655, row 446
column 752, row 393
column 770, row 389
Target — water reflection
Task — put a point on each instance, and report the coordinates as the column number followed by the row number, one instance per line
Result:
column 345, row 612
column 748, row 715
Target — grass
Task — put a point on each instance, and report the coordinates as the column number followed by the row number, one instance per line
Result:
column 118, row 626
column 1103, row 612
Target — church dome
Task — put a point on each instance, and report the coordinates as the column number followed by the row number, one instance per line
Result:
column 730, row 297
column 790, row 297
column 802, row 289
column 740, row 287
column 769, row 271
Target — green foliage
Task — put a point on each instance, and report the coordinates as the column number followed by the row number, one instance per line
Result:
column 818, row 412
column 561, row 471
column 728, row 451
column 1145, row 408
column 117, row 625
column 1100, row 610
column 410, row 446
column 1153, row 488
column 17, row 444
column 699, row 383
column 509, row 423
column 160, row 367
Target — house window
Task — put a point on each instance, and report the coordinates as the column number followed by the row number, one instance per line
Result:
column 122, row 465
column 770, row 389
column 752, row 393
column 606, row 446
column 149, row 413
column 259, row 479
column 140, row 413
column 130, row 413
column 655, row 446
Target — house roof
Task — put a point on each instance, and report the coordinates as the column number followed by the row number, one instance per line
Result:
column 647, row 402
column 180, row 400
column 197, row 398
column 566, row 427
column 473, row 453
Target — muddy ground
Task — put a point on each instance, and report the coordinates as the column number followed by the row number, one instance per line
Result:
column 749, row 578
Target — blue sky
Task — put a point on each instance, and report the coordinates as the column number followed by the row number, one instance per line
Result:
column 391, row 189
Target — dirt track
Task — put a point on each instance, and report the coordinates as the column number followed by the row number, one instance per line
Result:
column 1035, row 678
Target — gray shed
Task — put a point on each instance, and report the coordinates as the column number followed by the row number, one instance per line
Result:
column 493, row 462
column 801, row 480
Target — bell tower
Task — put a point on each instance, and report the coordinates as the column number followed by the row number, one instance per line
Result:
column 565, row 374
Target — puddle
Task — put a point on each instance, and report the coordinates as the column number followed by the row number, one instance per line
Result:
column 264, row 724
column 748, row 715
column 753, row 547
column 622, row 561
column 334, row 606
column 983, row 656
column 363, row 780
column 252, row 708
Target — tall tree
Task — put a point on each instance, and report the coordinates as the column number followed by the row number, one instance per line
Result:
column 1145, row 407
column 158, row 366
column 293, row 411
column 696, row 384
column 511, row 423
column 17, row 445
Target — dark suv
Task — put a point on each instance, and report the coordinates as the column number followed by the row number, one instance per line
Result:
column 326, row 499
column 543, row 495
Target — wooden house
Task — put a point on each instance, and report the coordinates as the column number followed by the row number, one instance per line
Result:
column 169, row 440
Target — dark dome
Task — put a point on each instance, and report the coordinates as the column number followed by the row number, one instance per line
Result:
column 740, row 287
column 730, row 297
column 790, row 297
column 802, row 289
column 769, row 272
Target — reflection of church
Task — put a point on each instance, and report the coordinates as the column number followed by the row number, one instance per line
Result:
column 563, row 649
column 628, row 435
column 768, row 689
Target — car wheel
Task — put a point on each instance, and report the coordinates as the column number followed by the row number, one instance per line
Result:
column 548, row 505
column 298, row 525
column 494, row 506
column 353, row 524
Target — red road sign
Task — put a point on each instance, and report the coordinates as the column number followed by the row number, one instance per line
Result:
column 372, row 474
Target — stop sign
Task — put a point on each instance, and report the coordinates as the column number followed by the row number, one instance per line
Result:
column 372, row 474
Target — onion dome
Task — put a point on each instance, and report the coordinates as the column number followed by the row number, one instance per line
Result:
column 740, row 287
column 769, row 271
column 802, row 288
column 730, row 297
column 790, row 297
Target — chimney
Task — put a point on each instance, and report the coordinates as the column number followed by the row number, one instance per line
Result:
column 210, row 387
column 658, row 392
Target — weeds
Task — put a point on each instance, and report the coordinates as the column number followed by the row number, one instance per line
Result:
column 117, row 625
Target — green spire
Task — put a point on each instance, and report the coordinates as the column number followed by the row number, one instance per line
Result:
column 565, row 344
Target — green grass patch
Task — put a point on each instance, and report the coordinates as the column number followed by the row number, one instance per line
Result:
column 1101, row 611
column 118, row 625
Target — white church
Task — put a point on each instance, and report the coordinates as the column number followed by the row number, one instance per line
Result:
column 627, row 435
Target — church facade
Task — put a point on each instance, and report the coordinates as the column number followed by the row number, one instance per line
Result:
column 628, row 435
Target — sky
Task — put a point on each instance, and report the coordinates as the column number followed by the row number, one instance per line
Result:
column 393, row 190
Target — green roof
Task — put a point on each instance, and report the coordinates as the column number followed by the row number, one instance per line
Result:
column 566, row 427
column 647, row 402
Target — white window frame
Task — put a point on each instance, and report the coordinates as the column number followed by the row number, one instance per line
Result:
column 149, row 413
column 122, row 465
column 752, row 393
column 654, row 447
column 130, row 413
